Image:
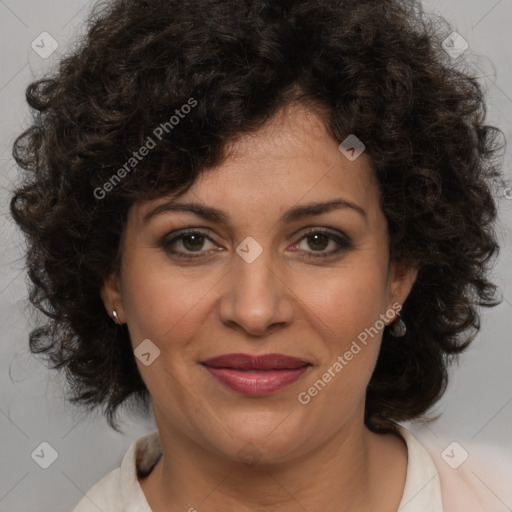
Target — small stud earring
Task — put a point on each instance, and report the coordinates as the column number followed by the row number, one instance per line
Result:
column 114, row 314
column 398, row 328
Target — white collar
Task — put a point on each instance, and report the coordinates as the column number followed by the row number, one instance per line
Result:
column 422, row 491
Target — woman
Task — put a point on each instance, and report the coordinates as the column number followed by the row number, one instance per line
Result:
column 272, row 222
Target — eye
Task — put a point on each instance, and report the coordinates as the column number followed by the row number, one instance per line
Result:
column 319, row 239
column 193, row 241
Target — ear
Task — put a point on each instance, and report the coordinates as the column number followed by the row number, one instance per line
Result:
column 402, row 276
column 110, row 292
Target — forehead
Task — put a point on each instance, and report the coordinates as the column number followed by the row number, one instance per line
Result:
column 291, row 160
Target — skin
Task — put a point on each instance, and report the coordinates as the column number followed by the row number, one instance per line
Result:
column 318, row 456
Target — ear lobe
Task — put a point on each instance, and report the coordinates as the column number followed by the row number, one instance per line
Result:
column 111, row 295
column 402, row 278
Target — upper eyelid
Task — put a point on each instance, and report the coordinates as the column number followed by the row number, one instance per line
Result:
column 310, row 230
column 207, row 232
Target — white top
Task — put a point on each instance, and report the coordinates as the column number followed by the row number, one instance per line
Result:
column 428, row 488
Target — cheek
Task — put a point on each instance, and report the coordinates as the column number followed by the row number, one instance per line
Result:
column 160, row 301
column 347, row 300
column 166, row 306
column 345, row 309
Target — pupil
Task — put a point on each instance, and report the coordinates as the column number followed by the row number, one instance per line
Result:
column 324, row 237
column 192, row 246
column 199, row 241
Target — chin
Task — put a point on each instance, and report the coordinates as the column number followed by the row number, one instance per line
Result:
column 271, row 438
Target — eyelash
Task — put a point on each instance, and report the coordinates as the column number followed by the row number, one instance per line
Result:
column 343, row 242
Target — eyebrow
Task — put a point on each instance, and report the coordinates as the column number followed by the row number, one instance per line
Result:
column 292, row 215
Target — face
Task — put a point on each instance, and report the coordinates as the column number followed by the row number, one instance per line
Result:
column 263, row 276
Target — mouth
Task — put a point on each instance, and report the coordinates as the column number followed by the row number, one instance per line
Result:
column 256, row 375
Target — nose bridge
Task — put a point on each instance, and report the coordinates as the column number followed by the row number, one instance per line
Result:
column 254, row 270
column 255, row 298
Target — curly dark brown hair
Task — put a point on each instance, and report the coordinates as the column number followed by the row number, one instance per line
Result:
column 374, row 68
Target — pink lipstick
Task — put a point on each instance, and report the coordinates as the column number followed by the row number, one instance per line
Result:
column 256, row 375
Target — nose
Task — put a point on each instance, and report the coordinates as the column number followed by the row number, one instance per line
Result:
column 256, row 298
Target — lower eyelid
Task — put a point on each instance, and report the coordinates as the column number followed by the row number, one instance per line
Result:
column 343, row 244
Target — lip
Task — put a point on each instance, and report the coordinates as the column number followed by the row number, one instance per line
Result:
column 256, row 375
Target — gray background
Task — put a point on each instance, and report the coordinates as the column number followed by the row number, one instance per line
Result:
column 476, row 410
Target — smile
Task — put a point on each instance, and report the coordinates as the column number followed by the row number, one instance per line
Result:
column 256, row 375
